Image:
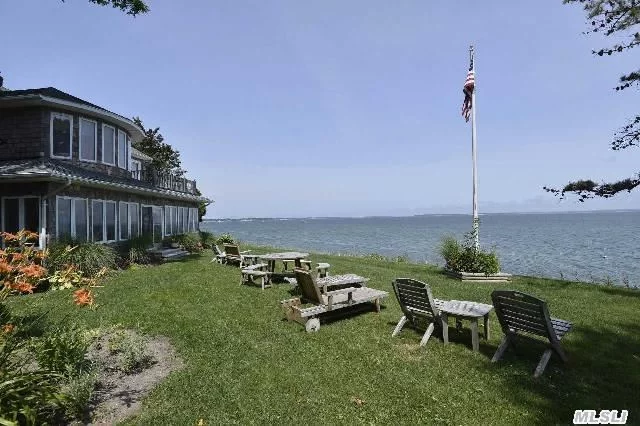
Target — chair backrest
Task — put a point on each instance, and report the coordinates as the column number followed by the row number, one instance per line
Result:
column 232, row 250
column 415, row 298
column 308, row 287
column 216, row 249
column 522, row 312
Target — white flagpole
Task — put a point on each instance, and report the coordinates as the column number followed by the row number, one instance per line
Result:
column 473, row 153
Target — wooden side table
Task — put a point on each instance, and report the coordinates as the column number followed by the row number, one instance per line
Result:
column 471, row 311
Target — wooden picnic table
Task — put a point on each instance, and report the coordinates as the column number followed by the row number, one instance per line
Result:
column 471, row 311
column 271, row 259
column 346, row 280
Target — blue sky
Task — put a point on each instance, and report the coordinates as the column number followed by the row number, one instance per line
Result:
column 290, row 108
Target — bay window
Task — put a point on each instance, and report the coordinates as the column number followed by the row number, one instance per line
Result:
column 88, row 139
column 97, row 220
column 72, row 218
column 167, row 221
column 108, row 145
column 60, row 133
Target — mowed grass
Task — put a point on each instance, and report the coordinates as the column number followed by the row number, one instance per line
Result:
column 245, row 365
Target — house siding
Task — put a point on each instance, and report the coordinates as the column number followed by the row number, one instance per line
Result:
column 24, row 133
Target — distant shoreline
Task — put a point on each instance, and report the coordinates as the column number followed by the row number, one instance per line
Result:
column 424, row 215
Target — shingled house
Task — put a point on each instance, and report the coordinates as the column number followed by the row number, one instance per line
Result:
column 67, row 167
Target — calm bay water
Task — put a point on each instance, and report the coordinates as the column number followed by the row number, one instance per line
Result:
column 590, row 246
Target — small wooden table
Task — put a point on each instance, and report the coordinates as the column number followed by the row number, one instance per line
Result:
column 271, row 259
column 345, row 280
column 252, row 259
column 465, row 310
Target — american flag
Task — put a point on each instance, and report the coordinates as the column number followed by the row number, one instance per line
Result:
column 469, row 86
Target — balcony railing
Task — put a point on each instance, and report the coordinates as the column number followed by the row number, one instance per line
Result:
column 165, row 180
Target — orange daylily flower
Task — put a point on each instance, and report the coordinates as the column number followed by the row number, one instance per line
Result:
column 17, row 257
column 23, row 287
column 83, row 297
column 8, row 328
column 33, row 271
column 5, row 268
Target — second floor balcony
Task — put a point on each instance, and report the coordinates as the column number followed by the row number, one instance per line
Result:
column 165, row 180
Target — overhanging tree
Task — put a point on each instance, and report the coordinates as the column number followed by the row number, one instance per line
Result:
column 165, row 157
column 621, row 19
column 131, row 7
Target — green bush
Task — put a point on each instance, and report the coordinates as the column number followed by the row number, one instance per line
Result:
column 135, row 249
column 62, row 350
column 464, row 257
column 89, row 258
column 189, row 242
column 207, row 239
column 226, row 239
column 131, row 350
column 78, row 391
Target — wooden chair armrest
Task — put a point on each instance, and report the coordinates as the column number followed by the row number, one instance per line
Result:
column 245, row 251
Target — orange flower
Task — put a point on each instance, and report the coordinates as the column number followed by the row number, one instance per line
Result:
column 33, row 271
column 17, row 257
column 8, row 328
column 9, row 236
column 24, row 287
column 5, row 268
column 83, row 297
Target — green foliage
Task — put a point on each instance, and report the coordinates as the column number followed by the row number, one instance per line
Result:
column 189, row 242
column 165, row 157
column 78, row 390
column 131, row 349
column 619, row 19
column 226, row 239
column 131, row 7
column 62, row 350
column 89, row 258
column 381, row 258
column 207, row 239
column 135, row 249
column 202, row 207
column 68, row 277
column 464, row 257
column 28, row 395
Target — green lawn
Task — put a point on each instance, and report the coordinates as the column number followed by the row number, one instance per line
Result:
column 244, row 364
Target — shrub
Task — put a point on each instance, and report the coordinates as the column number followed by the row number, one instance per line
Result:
column 62, row 350
column 376, row 256
column 88, row 258
column 78, row 391
column 189, row 242
column 226, row 239
column 207, row 239
column 135, row 249
column 131, row 349
column 464, row 257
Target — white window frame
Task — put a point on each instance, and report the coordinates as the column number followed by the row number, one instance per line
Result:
column 73, row 216
column 104, row 221
column 115, row 138
column 153, row 206
column 95, row 140
column 123, row 162
column 127, row 205
column 138, row 170
column 69, row 117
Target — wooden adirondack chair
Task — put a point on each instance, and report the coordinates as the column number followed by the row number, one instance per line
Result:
column 417, row 304
column 219, row 256
column 325, row 302
column 522, row 313
column 234, row 256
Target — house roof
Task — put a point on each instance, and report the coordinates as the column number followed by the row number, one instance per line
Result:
column 57, row 170
column 56, row 97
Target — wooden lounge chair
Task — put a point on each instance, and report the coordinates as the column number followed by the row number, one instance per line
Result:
column 418, row 305
column 219, row 256
column 522, row 313
column 233, row 255
column 325, row 302
column 250, row 273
